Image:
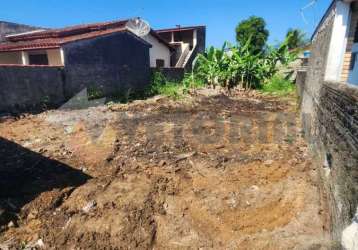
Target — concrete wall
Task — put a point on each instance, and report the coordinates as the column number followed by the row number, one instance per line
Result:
column 111, row 64
column 10, row 58
column 29, row 87
column 330, row 123
column 158, row 51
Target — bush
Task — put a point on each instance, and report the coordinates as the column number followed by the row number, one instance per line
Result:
column 161, row 86
column 278, row 85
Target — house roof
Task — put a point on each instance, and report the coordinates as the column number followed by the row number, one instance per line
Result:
column 180, row 28
column 161, row 40
column 54, row 38
column 7, row 28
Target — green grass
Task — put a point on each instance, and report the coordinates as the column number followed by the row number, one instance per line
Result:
column 171, row 89
column 278, row 85
column 175, row 90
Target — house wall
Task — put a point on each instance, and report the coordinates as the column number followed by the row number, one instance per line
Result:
column 351, row 75
column 338, row 42
column 30, row 87
column 186, row 36
column 329, row 112
column 111, row 64
column 22, row 57
column 199, row 48
column 10, row 58
column 158, row 51
column 54, row 57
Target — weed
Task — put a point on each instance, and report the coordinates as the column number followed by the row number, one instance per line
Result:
column 278, row 85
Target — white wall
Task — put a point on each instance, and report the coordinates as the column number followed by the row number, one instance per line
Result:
column 338, row 43
column 158, row 51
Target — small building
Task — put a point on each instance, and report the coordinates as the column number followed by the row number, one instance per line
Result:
column 188, row 43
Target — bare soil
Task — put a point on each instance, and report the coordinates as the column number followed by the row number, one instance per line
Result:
column 210, row 171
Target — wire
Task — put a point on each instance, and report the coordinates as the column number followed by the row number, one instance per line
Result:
column 312, row 3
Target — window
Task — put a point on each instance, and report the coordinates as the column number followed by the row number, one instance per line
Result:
column 38, row 59
column 356, row 34
column 160, row 63
column 353, row 61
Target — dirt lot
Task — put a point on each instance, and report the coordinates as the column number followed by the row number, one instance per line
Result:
column 209, row 171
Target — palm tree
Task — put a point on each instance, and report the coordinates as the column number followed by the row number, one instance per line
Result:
column 296, row 38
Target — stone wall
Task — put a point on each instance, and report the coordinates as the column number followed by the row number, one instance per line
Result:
column 30, row 87
column 330, row 123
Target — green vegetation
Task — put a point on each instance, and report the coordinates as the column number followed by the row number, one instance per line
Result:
column 251, row 64
column 253, row 29
column 278, row 85
column 176, row 90
column 296, row 38
column 233, row 66
column 94, row 92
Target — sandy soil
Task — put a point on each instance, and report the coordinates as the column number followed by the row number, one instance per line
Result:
column 206, row 172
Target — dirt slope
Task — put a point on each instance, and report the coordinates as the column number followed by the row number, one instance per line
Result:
column 209, row 171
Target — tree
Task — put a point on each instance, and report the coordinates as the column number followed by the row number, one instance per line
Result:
column 253, row 28
column 296, row 38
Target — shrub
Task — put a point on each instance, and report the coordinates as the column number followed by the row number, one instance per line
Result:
column 278, row 85
column 161, row 86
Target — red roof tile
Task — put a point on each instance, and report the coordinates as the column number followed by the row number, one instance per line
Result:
column 68, row 31
column 56, row 37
